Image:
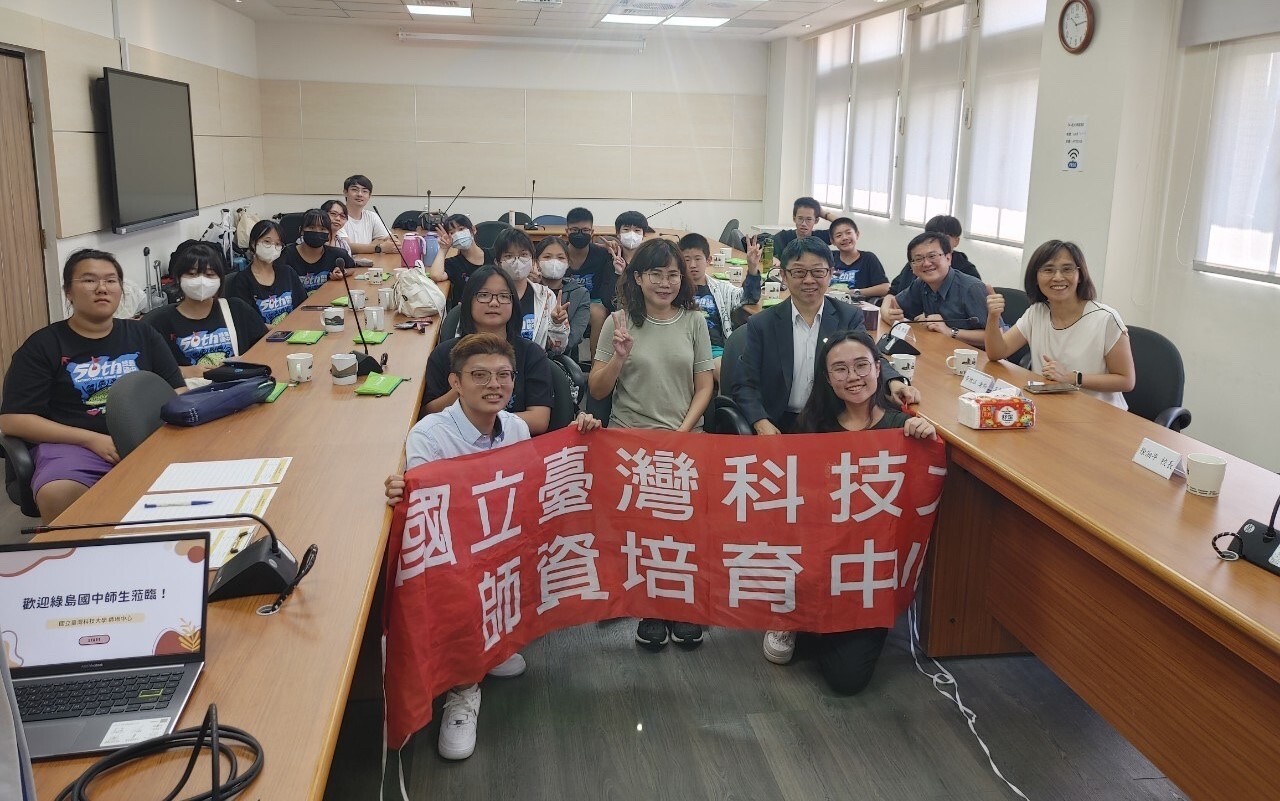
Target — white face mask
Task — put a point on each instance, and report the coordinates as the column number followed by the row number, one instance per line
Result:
column 268, row 252
column 199, row 287
column 631, row 240
column 553, row 269
column 518, row 266
column 462, row 240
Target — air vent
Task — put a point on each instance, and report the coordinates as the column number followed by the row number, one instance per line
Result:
column 648, row 7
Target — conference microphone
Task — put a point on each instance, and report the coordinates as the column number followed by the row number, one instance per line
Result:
column 965, row 321
column 455, row 200
column 263, row 567
column 531, row 225
column 390, row 236
column 364, row 364
column 893, row 345
column 659, row 211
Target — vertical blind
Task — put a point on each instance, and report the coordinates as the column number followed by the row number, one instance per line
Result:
column 874, row 113
column 831, row 115
column 934, row 93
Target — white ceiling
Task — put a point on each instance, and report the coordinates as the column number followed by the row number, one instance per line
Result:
column 754, row 19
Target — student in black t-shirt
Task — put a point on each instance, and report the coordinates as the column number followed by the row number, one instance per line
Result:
column 941, row 224
column 860, row 270
column 313, row 260
column 460, row 234
column 269, row 285
column 592, row 265
column 487, row 309
column 552, row 262
column 805, row 213
column 56, row 388
column 196, row 327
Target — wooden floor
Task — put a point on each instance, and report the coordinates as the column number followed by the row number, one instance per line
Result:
column 595, row 718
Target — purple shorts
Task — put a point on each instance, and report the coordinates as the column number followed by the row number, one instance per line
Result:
column 57, row 461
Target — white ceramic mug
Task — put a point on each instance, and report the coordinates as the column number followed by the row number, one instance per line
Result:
column 343, row 368
column 962, row 359
column 386, row 296
column 375, row 277
column 358, row 298
column 300, row 366
column 717, row 261
column 726, row 253
column 334, row 318
column 905, row 364
column 374, row 318
column 1205, row 473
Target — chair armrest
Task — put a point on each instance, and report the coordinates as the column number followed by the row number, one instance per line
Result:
column 1174, row 418
column 727, row 418
column 19, row 468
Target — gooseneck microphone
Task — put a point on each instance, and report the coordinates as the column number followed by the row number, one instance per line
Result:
column 394, row 243
column 659, row 211
column 531, row 225
column 364, row 364
column 264, row 567
column 455, row 200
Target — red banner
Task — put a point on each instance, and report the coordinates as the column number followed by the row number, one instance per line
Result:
column 488, row 552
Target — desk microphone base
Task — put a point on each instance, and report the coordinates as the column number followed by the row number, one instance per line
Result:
column 257, row 570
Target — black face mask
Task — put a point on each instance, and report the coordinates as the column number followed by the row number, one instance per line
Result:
column 315, row 239
column 579, row 239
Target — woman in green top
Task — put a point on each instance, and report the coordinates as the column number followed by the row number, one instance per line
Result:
column 654, row 357
column 846, row 397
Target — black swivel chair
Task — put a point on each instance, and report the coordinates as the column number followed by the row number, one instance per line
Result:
column 521, row 218
column 133, row 409
column 290, row 227
column 449, row 325
column 577, row 378
column 549, row 219
column 487, row 232
column 1157, row 395
column 731, row 236
column 563, row 407
column 723, row 415
column 1016, row 303
column 19, row 467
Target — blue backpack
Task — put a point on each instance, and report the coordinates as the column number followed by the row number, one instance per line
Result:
column 216, row 401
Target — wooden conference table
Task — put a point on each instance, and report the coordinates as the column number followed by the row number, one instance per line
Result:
column 1052, row 540
column 283, row 678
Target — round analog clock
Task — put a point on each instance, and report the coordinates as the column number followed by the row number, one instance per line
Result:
column 1075, row 25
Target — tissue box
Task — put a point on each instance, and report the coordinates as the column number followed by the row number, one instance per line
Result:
column 1002, row 409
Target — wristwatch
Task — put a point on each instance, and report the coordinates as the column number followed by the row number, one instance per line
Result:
column 1079, row 379
column 377, row 248
column 955, row 332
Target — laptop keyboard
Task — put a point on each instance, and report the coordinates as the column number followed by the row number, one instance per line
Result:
column 97, row 696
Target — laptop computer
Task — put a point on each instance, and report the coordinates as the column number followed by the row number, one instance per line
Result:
column 104, row 638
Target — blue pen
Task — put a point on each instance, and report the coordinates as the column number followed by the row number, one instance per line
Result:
column 175, row 503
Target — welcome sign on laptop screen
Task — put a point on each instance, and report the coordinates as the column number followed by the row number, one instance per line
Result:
column 120, row 599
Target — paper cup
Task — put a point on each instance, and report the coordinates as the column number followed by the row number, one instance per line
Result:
column 300, row 366
column 334, row 319
column 1205, row 473
column 343, row 368
column 375, row 318
column 358, row 298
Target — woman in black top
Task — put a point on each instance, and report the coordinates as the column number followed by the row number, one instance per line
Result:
column 55, row 391
column 313, row 260
column 487, row 309
column 269, row 285
column 196, row 328
column 459, row 233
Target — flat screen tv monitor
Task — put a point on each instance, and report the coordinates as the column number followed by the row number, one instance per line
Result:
column 152, row 153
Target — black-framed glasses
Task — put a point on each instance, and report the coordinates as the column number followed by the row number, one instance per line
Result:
column 916, row 261
column 483, row 377
column 485, row 296
column 861, row 368
column 304, row 567
column 799, row 273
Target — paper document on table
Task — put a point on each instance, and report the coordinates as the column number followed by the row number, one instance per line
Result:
column 224, row 542
column 221, row 475
column 150, row 508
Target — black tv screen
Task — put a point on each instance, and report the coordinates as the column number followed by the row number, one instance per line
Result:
column 152, row 153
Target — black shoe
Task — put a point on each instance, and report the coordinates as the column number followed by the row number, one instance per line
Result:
column 651, row 633
column 686, row 635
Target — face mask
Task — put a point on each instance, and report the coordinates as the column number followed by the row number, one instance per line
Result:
column 631, row 240
column 553, row 269
column 462, row 240
column 519, row 267
column 579, row 239
column 315, row 239
column 199, row 287
column 268, row 253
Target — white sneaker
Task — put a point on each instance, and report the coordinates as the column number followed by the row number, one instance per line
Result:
column 514, row 666
column 458, row 727
column 779, row 646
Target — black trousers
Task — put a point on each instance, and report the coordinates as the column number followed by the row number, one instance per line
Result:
column 848, row 659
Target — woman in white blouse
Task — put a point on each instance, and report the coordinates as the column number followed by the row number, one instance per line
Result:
column 1073, row 338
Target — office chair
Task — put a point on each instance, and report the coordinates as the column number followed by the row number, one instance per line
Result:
column 487, row 232
column 1016, row 303
column 563, row 407
column 290, row 226
column 449, row 326
column 549, row 219
column 731, row 236
column 1157, row 395
column 19, row 467
column 577, row 378
column 133, row 409
column 600, row 409
column 723, row 415
column 521, row 218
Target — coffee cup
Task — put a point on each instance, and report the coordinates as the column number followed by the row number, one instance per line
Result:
column 905, row 364
column 962, row 359
column 334, row 319
column 386, row 296
column 343, row 368
column 375, row 277
column 717, row 261
column 726, row 253
column 300, row 366
column 374, row 318
column 1205, row 473
column 358, row 298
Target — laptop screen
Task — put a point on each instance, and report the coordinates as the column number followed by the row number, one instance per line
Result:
column 84, row 604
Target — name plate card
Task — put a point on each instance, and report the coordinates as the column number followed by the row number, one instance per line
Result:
column 977, row 381
column 1157, row 458
column 900, row 331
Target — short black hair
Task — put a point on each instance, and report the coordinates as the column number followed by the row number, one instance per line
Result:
column 944, row 224
column 695, row 242
column 459, row 220
column 937, row 237
column 261, row 228
column 328, row 205
column 511, row 238
column 196, row 255
column 357, row 180
column 634, row 218
column 548, row 241
column 85, row 254
column 466, row 323
column 805, row 244
column 844, row 221
column 314, row 217
column 579, row 214
column 807, row 203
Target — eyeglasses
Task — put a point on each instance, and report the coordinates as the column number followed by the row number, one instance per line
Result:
column 655, row 277
column 799, row 273
column 586, row 230
column 483, row 377
column 916, row 261
column 805, row 220
column 485, row 296
column 861, row 368
column 93, row 282
column 1065, row 272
